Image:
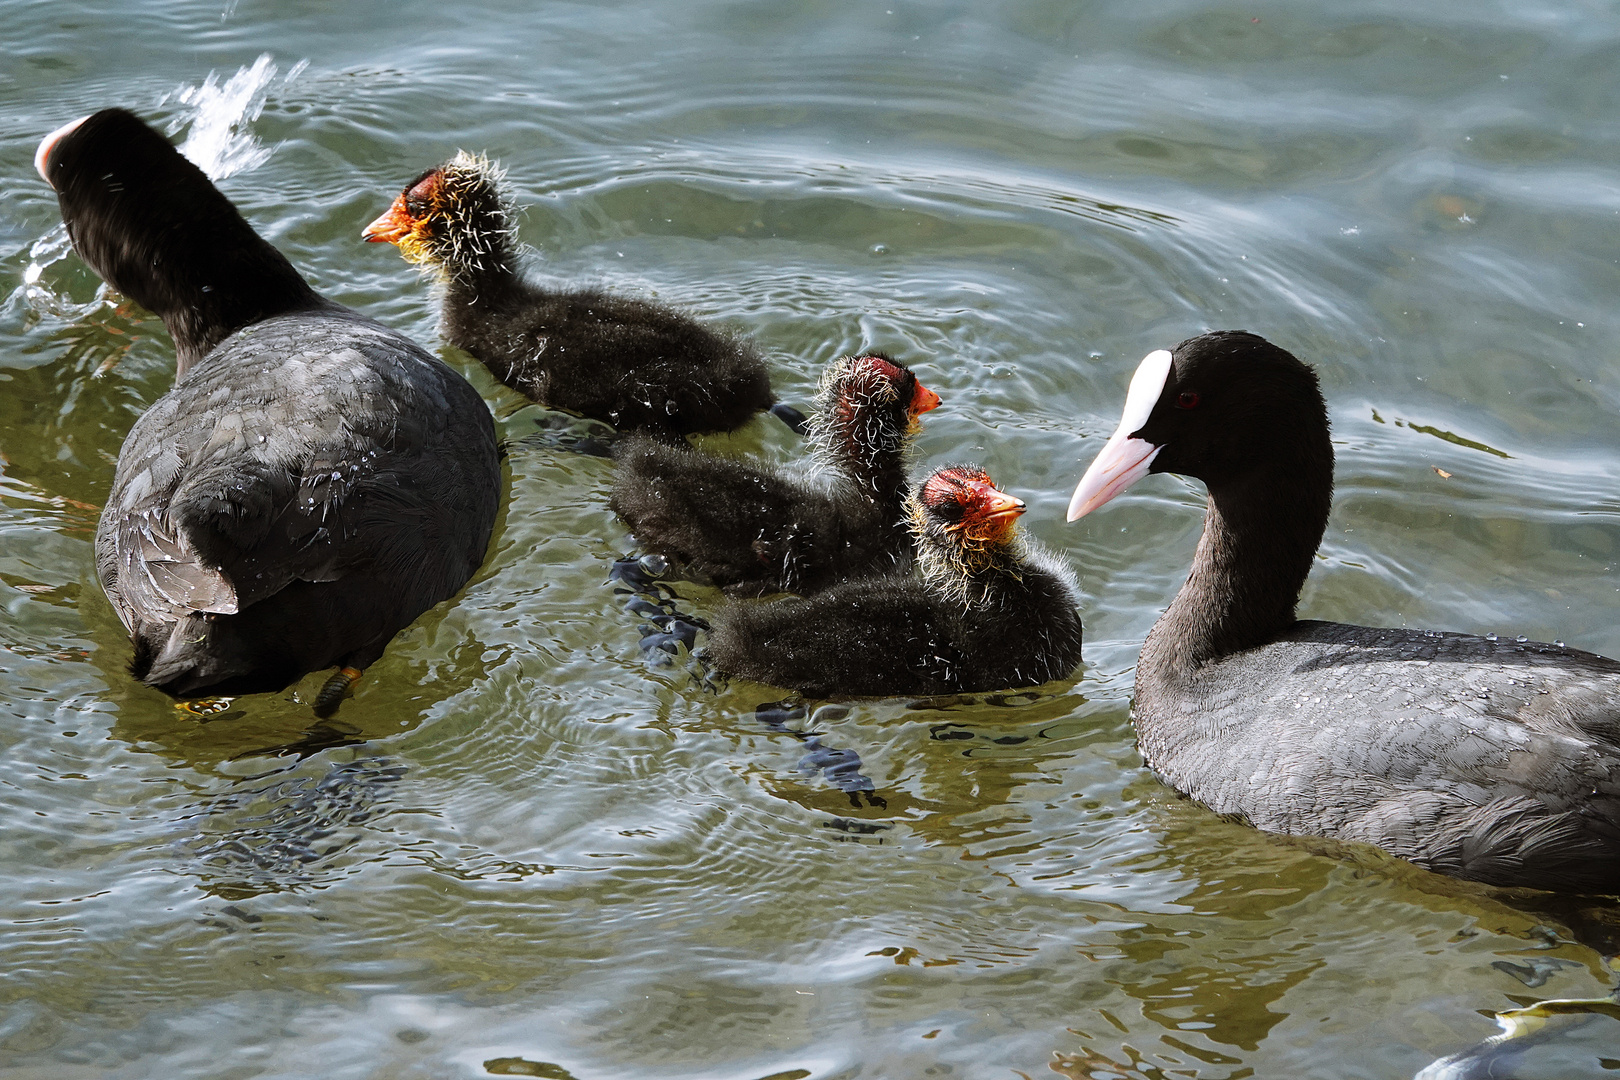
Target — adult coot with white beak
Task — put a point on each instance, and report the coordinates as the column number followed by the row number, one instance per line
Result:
column 1495, row 761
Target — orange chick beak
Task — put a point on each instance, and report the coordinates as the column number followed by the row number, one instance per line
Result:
column 998, row 504
column 994, row 515
column 392, row 227
column 924, row 400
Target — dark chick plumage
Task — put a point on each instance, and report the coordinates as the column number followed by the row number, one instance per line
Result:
column 638, row 365
column 753, row 529
column 988, row 611
column 1495, row 761
column 313, row 481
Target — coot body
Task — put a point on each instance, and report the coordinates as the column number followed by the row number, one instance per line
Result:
column 753, row 529
column 1490, row 760
column 313, row 481
column 638, row 365
column 988, row 611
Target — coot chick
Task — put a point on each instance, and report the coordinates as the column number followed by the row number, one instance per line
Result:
column 989, row 611
column 754, row 530
column 313, row 481
column 638, row 365
column 1498, row 762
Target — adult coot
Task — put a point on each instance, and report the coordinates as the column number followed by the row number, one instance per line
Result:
column 312, row 482
column 988, row 611
column 755, row 530
column 640, row 366
column 1496, row 761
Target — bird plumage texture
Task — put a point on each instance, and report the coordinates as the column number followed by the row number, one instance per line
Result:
column 1490, row 760
column 754, row 529
column 312, row 482
column 989, row 611
column 638, row 365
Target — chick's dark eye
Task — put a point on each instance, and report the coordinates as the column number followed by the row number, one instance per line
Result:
column 415, row 206
column 1187, row 400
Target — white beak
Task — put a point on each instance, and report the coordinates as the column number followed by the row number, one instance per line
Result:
column 42, row 156
column 1124, row 460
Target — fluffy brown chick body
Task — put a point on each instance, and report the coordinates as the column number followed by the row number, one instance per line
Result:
column 638, row 365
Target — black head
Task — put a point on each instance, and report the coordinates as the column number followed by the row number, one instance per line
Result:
column 157, row 230
column 857, row 390
column 865, row 412
column 1223, row 407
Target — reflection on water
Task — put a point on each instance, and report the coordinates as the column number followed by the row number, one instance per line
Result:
column 285, row 834
column 543, row 840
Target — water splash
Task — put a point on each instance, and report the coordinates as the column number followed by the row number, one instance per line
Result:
column 42, row 254
column 219, row 141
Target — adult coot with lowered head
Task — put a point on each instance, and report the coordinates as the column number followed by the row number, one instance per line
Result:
column 1495, row 761
column 312, row 483
column 638, row 365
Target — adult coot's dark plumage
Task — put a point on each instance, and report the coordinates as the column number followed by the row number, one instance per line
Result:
column 756, row 530
column 987, row 612
column 312, row 483
column 638, row 365
column 1496, row 761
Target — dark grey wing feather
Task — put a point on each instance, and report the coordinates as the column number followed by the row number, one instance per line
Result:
column 306, row 449
column 1474, row 757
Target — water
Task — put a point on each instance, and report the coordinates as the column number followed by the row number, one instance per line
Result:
column 526, row 849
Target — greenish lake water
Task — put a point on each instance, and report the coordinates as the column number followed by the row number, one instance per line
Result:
column 526, row 849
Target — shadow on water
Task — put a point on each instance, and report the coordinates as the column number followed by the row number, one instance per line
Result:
column 288, row 794
column 669, row 633
column 275, row 799
column 558, row 431
column 267, row 798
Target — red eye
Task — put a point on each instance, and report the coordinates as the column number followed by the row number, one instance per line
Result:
column 1188, row 400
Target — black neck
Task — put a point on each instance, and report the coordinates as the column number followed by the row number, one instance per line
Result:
column 198, row 266
column 158, row 230
column 475, row 298
column 1260, row 535
column 474, row 247
column 880, row 471
column 208, row 301
column 970, row 575
column 490, row 282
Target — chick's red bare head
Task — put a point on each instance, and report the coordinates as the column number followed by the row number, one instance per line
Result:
column 965, row 502
column 409, row 223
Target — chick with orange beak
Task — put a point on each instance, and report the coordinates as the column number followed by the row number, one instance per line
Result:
column 441, row 208
column 753, row 529
column 987, row 610
column 638, row 365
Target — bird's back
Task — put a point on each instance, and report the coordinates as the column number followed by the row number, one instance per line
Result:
column 868, row 637
column 303, row 492
column 1027, row 629
column 751, row 528
column 1473, row 757
column 636, row 364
